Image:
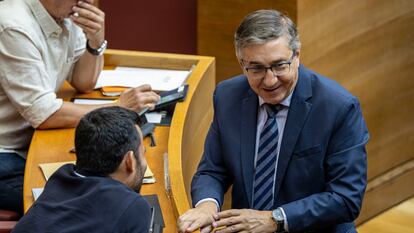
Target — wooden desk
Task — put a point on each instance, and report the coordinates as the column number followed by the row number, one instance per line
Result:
column 395, row 220
column 54, row 145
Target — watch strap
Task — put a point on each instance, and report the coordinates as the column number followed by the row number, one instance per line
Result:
column 98, row 51
column 279, row 219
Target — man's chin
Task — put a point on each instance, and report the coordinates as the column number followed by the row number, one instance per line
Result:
column 272, row 99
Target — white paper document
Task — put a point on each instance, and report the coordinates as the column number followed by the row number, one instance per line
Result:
column 154, row 117
column 36, row 193
column 92, row 101
column 159, row 79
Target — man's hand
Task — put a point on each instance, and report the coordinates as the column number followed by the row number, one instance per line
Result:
column 139, row 98
column 244, row 220
column 200, row 217
column 92, row 21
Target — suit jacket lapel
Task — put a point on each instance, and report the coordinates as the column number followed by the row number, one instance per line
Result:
column 298, row 112
column 248, row 140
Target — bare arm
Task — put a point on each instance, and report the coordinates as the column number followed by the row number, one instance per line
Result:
column 69, row 113
column 92, row 21
column 86, row 72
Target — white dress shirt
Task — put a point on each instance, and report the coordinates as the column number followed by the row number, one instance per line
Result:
column 281, row 117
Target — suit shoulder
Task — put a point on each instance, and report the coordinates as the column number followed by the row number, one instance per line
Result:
column 139, row 203
column 329, row 89
column 136, row 217
column 233, row 86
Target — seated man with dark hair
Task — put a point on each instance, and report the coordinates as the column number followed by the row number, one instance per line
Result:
column 98, row 193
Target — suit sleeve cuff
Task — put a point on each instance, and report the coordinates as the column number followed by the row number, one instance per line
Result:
column 286, row 226
column 209, row 199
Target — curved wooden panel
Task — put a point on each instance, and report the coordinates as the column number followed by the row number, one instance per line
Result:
column 189, row 127
column 367, row 46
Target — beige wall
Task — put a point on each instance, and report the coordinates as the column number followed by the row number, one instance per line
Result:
column 217, row 20
column 368, row 47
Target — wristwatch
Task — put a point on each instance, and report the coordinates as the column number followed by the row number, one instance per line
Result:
column 98, row 51
column 279, row 219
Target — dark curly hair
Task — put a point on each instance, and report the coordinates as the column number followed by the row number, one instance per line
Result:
column 103, row 137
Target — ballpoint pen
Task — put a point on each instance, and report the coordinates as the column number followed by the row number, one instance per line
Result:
column 151, row 228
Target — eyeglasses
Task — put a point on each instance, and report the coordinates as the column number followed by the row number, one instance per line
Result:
column 279, row 69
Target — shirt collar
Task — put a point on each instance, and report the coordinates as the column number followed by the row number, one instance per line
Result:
column 47, row 23
column 85, row 173
column 285, row 102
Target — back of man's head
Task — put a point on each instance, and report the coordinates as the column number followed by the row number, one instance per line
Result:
column 103, row 137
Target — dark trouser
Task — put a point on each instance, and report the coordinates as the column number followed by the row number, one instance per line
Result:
column 11, row 182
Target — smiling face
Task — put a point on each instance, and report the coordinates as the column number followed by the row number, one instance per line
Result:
column 272, row 89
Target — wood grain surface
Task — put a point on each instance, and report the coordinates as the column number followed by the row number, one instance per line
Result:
column 367, row 47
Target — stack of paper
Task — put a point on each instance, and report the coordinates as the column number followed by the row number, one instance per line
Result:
column 92, row 101
column 49, row 168
column 113, row 82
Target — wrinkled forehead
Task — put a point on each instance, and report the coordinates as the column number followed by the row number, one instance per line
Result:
column 275, row 43
column 269, row 52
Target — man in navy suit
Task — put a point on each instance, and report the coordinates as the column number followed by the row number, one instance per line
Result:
column 290, row 141
column 101, row 192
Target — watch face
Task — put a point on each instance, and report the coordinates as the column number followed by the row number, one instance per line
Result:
column 279, row 219
column 279, row 216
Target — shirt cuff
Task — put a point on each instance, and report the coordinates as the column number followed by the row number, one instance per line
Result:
column 285, row 225
column 209, row 199
column 42, row 109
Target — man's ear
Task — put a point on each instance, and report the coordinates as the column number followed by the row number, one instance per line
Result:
column 130, row 162
column 239, row 60
column 298, row 53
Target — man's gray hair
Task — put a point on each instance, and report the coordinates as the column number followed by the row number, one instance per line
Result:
column 262, row 26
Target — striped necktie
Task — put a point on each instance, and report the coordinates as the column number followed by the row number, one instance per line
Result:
column 264, row 177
